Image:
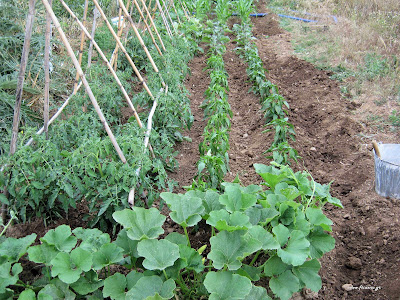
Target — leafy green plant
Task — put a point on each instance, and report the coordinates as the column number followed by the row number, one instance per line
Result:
column 282, row 153
column 276, row 231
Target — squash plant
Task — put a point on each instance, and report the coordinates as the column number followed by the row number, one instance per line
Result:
column 275, row 230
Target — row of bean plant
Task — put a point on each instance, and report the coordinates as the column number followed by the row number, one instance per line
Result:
column 274, row 106
column 214, row 159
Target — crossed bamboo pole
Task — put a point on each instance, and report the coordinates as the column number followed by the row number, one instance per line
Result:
column 47, row 74
column 83, row 78
column 140, row 40
column 123, row 49
column 148, row 16
column 124, row 92
column 82, row 43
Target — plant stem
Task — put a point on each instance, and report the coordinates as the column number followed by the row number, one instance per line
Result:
column 187, row 236
column 255, row 257
column 8, row 224
column 165, row 274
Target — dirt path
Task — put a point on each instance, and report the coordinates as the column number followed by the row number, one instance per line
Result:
column 367, row 230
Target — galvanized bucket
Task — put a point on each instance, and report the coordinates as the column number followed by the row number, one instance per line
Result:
column 387, row 169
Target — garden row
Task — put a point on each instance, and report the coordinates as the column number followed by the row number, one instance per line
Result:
column 273, row 232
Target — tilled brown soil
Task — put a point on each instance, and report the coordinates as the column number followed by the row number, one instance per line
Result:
column 329, row 141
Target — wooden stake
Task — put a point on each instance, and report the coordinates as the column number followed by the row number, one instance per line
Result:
column 140, row 40
column 152, row 24
column 169, row 16
column 85, row 83
column 82, row 43
column 177, row 15
column 21, row 75
column 127, row 98
column 95, row 16
column 164, row 19
column 147, row 26
column 47, row 74
column 184, row 7
column 123, row 49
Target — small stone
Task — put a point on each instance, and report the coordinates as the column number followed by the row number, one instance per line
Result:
column 313, row 149
column 170, row 230
column 245, row 135
column 347, row 217
column 381, row 261
column 347, row 287
column 385, row 242
column 354, row 263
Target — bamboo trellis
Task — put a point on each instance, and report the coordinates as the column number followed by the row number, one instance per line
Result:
column 145, row 15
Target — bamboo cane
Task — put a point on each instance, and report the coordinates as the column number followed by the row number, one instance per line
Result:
column 21, row 75
column 127, row 98
column 95, row 16
column 177, row 15
column 82, row 43
column 152, row 24
column 141, row 41
column 119, row 32
column 114, row 55
column 83, row 77
column 164, row 19
column 47, row 74
column 184, row 8
column 166, row 9
column 123, row 49
column 147, row 26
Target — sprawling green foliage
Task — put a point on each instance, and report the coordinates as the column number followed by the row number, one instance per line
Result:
column 275, row 231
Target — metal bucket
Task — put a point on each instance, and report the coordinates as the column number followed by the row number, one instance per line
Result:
column 387, row 170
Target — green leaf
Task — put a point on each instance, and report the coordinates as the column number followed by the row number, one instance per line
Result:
column 235, row 200
column 211, row 202
column 308, row 274
column 224, row 285
column 92, row 239
column 186, row 209
column 253, row 273
column 43, row 253
column 158, row 254
column 320, row 243
column 87, row 284
column 6, row 279
column 56, row 289
column 297, row 249
column 317, row 217
column 281, row 234
column 261, row 215
column 108, row 254
column 275, row 266
column 192, row 259
column 176, row 238
column 69, row 267
column 114, row 287
column 230, row 248
column 149, row 286
column 257, row 293
column 271, row 175
column 222, row 220
column 285, row 285
column 266, row 239
column 13, row 249
column 129, row 246
column 27, row 294
column 61, row 237
column 141, row 223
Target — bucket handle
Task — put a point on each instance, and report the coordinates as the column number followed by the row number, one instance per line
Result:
column 376, row 148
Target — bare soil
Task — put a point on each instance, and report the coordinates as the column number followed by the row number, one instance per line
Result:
column 333, row 147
